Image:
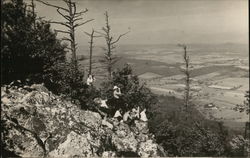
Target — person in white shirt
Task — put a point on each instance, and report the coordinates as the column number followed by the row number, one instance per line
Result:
column 136, row 113
column 118, row 115
column 128, row 119
column 126, row 116
column 117, row 92
column 90, row 80
column 143, row 116
column 103, row 103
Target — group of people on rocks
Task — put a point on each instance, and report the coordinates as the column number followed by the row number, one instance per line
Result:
column 119, row 111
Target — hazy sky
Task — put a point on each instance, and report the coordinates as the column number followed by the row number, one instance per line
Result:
column 164, row 21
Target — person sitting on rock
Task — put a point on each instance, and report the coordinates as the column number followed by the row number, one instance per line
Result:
column 135, row 114
column 127, row 118
column 143, row 116
column 117, row 92
column 90, row 80
column 118, row 115
column 101, row 105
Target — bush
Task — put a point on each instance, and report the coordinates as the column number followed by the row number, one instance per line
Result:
column 239, row 146
column 189, row 140
column 245, row 106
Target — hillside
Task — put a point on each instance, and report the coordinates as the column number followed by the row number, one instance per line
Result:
column 38, row 123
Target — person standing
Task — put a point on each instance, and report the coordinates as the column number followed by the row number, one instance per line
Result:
column 117, row 92
column 117, row 100
column 89, row 80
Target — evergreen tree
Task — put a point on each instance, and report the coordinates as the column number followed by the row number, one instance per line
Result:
column 28, row 50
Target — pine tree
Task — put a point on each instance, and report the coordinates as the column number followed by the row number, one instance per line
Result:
column 29, row 50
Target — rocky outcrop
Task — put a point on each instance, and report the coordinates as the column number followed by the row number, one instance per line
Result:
column 37, row 123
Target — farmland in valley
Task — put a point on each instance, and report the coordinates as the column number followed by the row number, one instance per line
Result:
column 219, row 74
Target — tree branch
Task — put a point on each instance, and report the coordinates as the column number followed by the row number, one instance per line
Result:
column 65, row 16
column 67, row 2
column 61, row 23
column 51, row 5
column 74, row 8
column 80, row 13
column 92, row 35
column 76, row 25
column 87, row 33
column 76, row 19
column 119, row 37
column 62, row 31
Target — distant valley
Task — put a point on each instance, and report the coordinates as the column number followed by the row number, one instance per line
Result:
column 220, row 74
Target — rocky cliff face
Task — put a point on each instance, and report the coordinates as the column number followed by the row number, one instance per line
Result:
column 38, row 123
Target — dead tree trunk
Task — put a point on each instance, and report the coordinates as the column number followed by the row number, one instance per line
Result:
column 187, row 79
column 92, row 36
column 90, row 52
column 110, row 45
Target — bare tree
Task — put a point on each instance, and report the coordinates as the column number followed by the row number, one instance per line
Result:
column 72, row 16
column 110, row 44
column 91, row 42
column 187, row 74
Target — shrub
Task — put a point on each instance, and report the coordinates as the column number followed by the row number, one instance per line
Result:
column 188, row 140
column 245, row 106
column 239, row 146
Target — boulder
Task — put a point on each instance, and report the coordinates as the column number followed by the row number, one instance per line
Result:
column 37, row 123
column 148, row 149
column 127, row 142
column 108, row 154
column 141, row 126
column 75, row 145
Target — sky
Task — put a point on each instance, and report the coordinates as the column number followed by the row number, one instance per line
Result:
column 162, row 21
